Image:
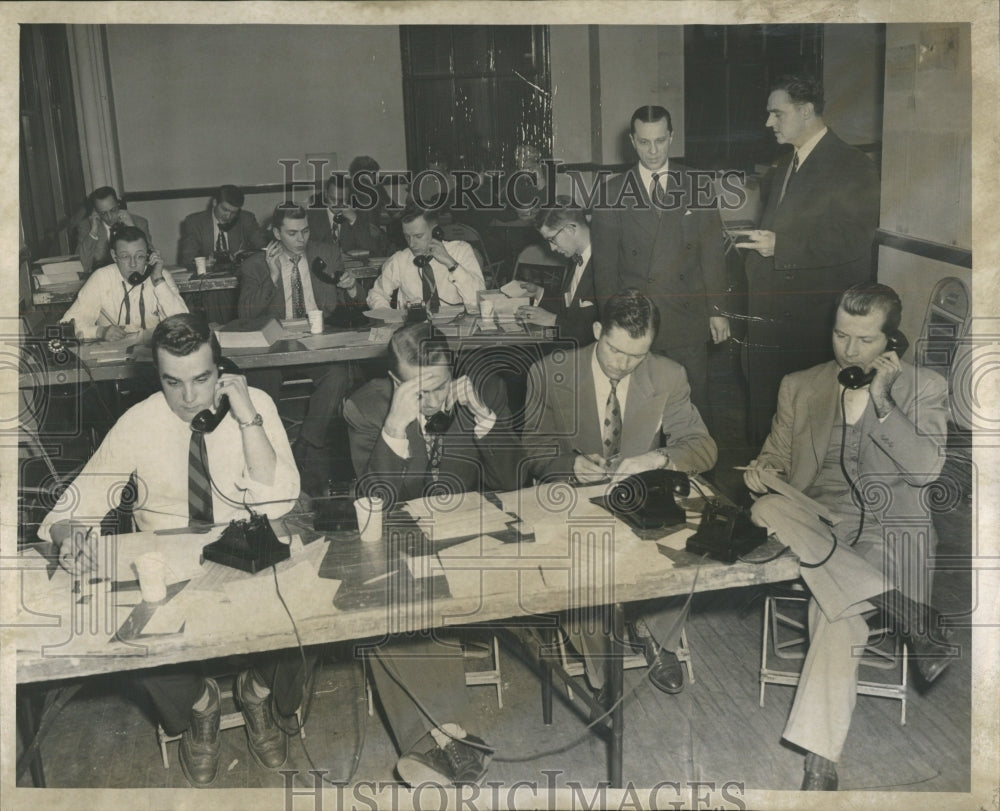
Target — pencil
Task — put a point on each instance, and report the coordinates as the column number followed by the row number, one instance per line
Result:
column 758, row 469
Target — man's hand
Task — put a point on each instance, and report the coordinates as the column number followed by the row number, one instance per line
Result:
column 77, row 547
column 349, row 283
column 589, row 468
column 156, row 261
column 758, row 240
column 537, row 315
column 273, row 258
column 124, row 217
column 887, row 368
column 630, row 465
column 439, row 252
column 95, row 224
column 464, row 393
column 751, row 476
column 404, row 409
column 719, row 326
column 235, row 388
column 112, row 332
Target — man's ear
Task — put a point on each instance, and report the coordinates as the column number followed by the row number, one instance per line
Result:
column 597, row 330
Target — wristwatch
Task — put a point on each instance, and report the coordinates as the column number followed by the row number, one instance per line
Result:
column 453, row 267
column 257, row 420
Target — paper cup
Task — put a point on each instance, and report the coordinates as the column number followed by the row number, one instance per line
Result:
column 315, row 321
column 200, row 266
column 369, row 512
column 152, row 573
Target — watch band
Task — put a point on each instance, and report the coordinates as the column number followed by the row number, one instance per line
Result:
column 257, row 420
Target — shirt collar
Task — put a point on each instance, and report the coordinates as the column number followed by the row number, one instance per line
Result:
column 646, row 176
column 806, row 148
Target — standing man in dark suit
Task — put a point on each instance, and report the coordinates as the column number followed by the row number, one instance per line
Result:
column 647, row 235
column 574, row 308
column 290, row 278
column 814, row 241
column 93, row 233
column 333, row 219
column 615, row 408
column 397, row 452
column 221, row 231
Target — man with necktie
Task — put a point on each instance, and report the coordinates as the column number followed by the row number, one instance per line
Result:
column 222, row 231
column 184, row 478
column 600, row 411
column 93, row 233
column 649, row 235
column 334, row 219
column 820, row 213
column 293, row 276
column 573, row 308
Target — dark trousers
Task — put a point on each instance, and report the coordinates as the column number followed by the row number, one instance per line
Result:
column 694, row 359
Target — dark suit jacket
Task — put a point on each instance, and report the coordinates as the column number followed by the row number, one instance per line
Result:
column 96, row 253
column 901, row 454
column 259, row 295
column 675, row 256
column 561, row 414
column 467, row 463
column 363, row 235
column 198, row 236
column 575, row 322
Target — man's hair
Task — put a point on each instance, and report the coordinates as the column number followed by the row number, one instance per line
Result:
column 862, row 298
column 801, row 90
column 102, row 193
column 413, row 212
column 418, row 345
column 633, row 312
column 288, row 210
column 229, row 194
column 650, row 113
column 127, row 233
column 561, row 215
column 362, row 162
column 183, row 334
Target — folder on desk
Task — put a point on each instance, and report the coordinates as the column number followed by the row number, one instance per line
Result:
column 248, row 334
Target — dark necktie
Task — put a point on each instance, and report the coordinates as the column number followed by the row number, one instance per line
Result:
column 788, row 177
column 433, row 442
column 298, row 296
column 429, row 285
column 654, row 190
column 612, row 433
column 199, row 483
column 222, row 244
column 128, row 305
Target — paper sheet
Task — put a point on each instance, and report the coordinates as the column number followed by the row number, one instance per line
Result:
column 386, row 314
column 334, row 339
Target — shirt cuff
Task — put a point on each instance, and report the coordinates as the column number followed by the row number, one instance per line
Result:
column 400, row 447
column 484, row 425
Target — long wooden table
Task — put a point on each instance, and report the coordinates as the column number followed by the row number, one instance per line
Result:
column 528, row 553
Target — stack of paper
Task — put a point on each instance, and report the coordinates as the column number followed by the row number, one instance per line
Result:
column 252, row 339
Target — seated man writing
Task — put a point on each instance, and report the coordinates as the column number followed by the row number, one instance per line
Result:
column 603, row 410
column 429, row 270
column 831, row 442
column 398, row 452
column 130, row 296
column 293, row 276
column 182, row 477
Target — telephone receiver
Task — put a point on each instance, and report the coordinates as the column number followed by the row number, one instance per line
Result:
column 438, row 233
column 440, row 421
column 646, row 499
column 206, row 421
column 339, row 218
column 135, row 278
column 854, row 377
column 319, row 268
column 422, row 261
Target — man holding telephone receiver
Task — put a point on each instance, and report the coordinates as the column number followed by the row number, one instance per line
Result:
column 870, row 424
column 429, row 270
column 93, row 233
column 186, row 477
column 130, row 296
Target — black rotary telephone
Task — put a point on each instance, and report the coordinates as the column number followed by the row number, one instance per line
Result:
column 854, row 377
column 645, row 501
column 206, row 421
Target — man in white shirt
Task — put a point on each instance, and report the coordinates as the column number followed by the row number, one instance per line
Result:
column 452, row 274
column 93, row 233
column 131, row 296
column 184, row 477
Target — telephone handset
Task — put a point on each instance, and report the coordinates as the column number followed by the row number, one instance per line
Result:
column 340, row 218
column 319, row 268
column 438, row 233
column 854, row 377
column 135, row 278
column 422, row 261
column 440, row 421
column 206, row 421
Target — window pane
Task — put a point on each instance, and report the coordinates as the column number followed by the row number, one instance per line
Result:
column 472, row 48
column 430, row 49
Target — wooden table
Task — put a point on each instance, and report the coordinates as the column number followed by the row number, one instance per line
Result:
column 537, row 559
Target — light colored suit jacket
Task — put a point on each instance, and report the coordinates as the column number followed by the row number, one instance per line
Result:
column 561, row 415
column 96, row 253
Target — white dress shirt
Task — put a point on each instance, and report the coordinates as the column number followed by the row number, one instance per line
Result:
column 101, row 302
column 152, row 442
column 646, row 176
column 577, row 275
column 399, row 272
column 602, row 388
column 286, row 281
column 806, row 148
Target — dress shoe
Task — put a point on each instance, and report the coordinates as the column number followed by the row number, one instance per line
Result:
column 268, row 743
column 453, row 764
column 665, row 670
column 920, row 626
column 200, row 747
column 314, row 467
column 821, row 774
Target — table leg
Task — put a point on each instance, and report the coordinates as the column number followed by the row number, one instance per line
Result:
column 546, row 692
column 617, row 682
column 27, row 724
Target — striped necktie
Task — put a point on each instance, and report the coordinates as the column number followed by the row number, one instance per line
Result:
column 199, row 483
column 222, row 243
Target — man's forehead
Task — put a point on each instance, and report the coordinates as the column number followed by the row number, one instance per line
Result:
column 415, row 226
column 294, row 225
column 135, row 246
column 871, row 322
column 652, row 129
column 182, row 367
column 105, row 203
column 618, row 338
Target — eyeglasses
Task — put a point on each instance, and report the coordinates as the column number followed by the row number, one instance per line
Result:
column 133, row 259
column 552, row 239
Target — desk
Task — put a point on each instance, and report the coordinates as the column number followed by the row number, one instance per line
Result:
column 537, row 559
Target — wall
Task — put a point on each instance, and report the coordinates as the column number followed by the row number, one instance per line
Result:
column 852, row 81
column 203, row 105
column 569, row 61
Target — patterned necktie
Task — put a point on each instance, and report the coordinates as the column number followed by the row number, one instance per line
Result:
column 298, row 297
column 430, row 292
column 612, row 433
column 222, row 244
column 791, row 171
column 199, row 484
column 433, row 442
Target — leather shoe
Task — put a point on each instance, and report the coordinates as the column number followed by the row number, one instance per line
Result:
column 665, row 670
column 454, row 764
column 821, row 774
column 268, row 743
column 200, row 747
column 932, row 656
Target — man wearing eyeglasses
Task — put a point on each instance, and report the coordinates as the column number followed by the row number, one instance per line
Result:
column 130, row 296
column 93, row 233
